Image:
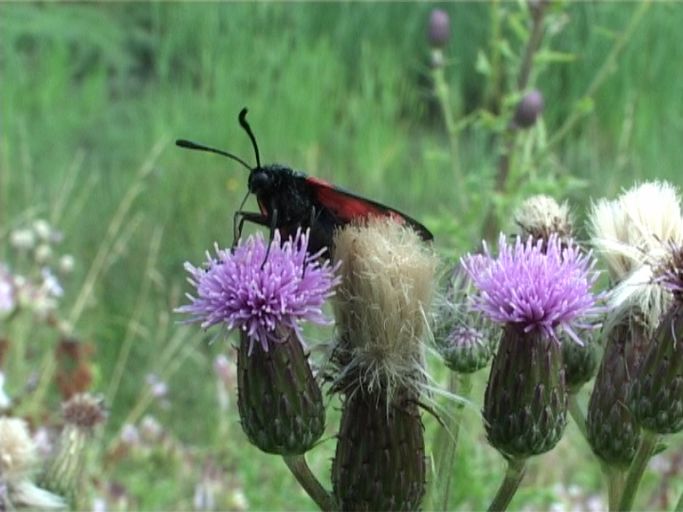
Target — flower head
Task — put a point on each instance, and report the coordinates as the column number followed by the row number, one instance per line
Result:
column 387, row 285
column 243, row 289
column 537, row 286
column 634, row 234
column 540, row 216
column 17, row 448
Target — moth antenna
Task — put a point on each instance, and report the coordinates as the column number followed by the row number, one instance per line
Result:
column 200, row 147
column 247, row 128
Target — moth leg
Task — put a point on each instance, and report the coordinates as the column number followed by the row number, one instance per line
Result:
column 273, row 225
column 255, row 217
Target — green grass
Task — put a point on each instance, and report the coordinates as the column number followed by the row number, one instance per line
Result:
column 340, row 91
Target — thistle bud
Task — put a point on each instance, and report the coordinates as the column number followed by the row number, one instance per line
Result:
column 279, row 400
column 379, row 463
column 439, row 28
column 580, row 362
column 525, row 406
column 612, row 430
column 387, row 280
column 465, row 340
column 528, row 109
column 466, row 349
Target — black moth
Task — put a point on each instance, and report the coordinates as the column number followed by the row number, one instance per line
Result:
column 289, row 200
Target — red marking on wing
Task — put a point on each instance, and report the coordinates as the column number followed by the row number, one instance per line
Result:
column 347, row 206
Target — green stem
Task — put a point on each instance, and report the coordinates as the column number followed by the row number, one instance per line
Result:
column 490, row 226
column 648, row 443
column 679, row 505
column 513, row 476
column 303, row 474
column 615, row 486
column 442, row 95
column 444, row 465
column 577, row 414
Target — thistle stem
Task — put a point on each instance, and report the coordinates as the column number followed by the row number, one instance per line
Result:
column 513, row 477
column 303, row 474
column 615, row 486
column 577, row 414
column 442, row 95
column 647, row 446
column 445, row 463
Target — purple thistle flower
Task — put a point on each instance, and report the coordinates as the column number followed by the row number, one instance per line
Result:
column 262, row 299
column 534, row 285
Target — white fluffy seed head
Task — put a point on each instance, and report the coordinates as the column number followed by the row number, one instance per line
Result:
column 633, row 233
column 17, row 449
column 541, row 215
column 387, row 286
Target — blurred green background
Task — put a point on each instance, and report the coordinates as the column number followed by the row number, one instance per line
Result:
column 340, row 91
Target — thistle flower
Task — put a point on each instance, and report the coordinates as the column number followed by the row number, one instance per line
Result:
column 656, row 396
column 632, row 233
column 387, row 276
column 539, row 217
column 65, row 474
column 18, row 458
column 387, row 282
column 279, row 400
column 536, row 290
column 243, row 290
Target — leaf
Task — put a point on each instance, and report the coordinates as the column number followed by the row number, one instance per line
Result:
column 549, row 56
column 483, row 65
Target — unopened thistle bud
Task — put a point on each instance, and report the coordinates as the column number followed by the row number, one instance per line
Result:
column 66, row 472
column 657, row 392
column 387, row 283
column 279, row 400
column 528, row 109
column 612, row 431
column 633, row 234
column 466, row 340
column 537, row 290
column 580, row 361
column 438, row 28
